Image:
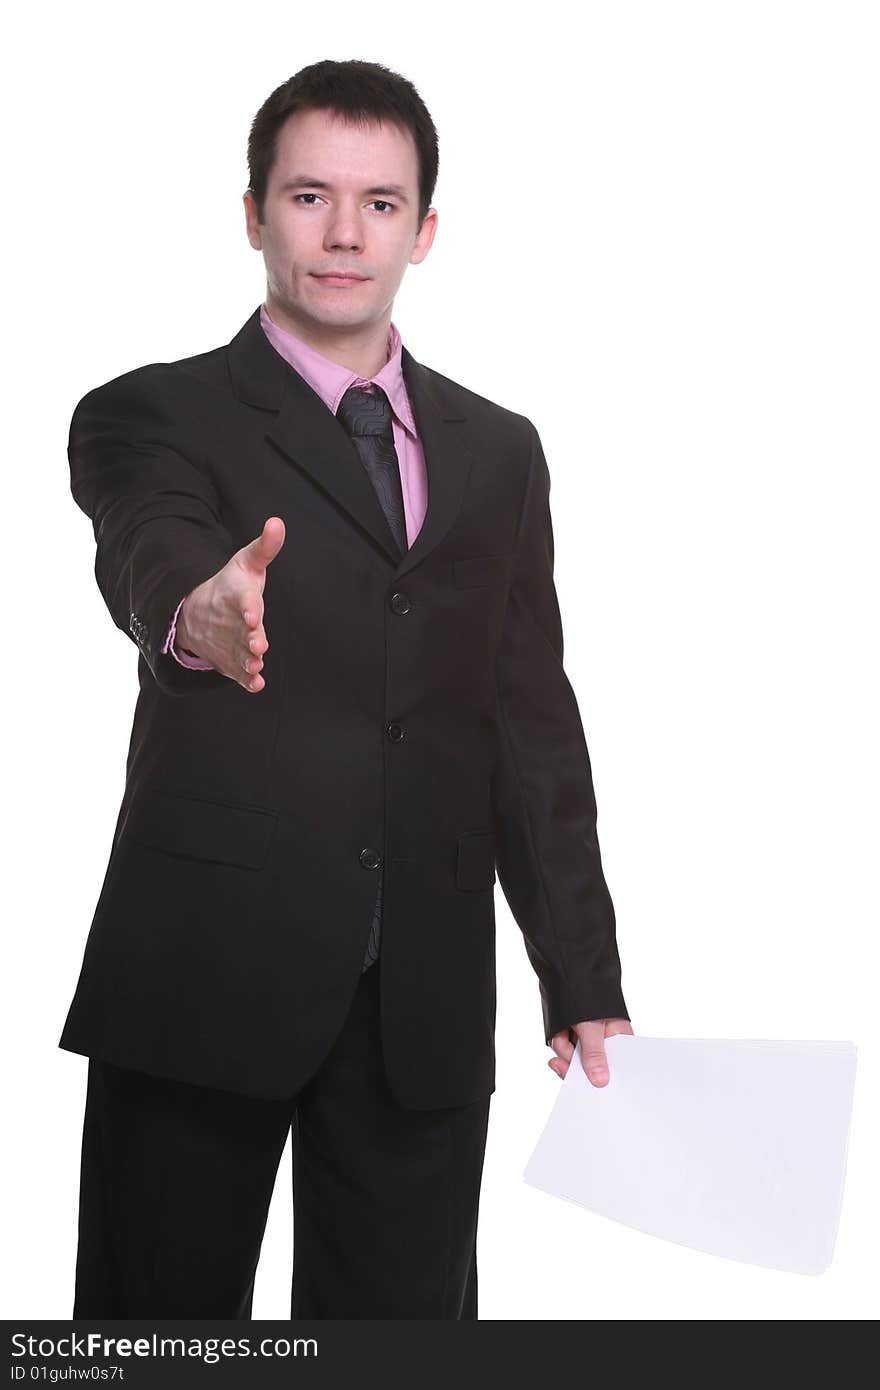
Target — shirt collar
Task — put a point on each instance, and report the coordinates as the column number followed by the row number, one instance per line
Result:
column 331, row 380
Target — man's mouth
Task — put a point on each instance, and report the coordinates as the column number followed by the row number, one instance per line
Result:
column 340, row 279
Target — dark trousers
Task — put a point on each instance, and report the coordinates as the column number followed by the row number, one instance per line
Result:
column 177, row 1179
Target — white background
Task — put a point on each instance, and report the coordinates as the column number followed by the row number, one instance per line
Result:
column 658, row 232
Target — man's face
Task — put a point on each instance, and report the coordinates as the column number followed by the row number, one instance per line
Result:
column 324, row 212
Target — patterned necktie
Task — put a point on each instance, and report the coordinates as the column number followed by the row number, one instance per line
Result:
column 366, row 416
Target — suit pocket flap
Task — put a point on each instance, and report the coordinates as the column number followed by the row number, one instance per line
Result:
column 475, row 868
column 479, row 570
column 196, row 828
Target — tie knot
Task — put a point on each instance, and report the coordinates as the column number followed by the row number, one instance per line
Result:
column 365, row 412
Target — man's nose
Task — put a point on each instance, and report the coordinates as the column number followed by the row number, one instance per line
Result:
column 345, row 231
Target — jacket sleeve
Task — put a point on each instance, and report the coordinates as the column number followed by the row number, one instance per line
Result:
column 544, row 808
column 136, row 469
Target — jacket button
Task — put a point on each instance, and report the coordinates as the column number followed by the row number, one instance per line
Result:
column 370, row 859
column 400, row 603
column 395, row 732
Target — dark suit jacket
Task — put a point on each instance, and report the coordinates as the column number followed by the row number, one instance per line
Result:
column 416, row 722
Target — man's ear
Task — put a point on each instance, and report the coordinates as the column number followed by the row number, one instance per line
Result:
column 424, row 237
column 251, row 223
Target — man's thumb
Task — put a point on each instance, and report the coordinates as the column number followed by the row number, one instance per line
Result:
column 258, row 553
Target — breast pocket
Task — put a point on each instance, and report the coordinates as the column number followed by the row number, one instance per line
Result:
column 477, row 571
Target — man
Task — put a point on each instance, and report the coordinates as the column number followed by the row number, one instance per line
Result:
column 337, row 566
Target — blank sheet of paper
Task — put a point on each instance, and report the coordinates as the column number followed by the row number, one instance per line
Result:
column 735, row 1147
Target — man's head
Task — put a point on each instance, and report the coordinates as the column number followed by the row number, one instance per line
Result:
column 343, row 163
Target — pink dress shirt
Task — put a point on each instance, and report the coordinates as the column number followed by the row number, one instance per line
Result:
column 331, row 381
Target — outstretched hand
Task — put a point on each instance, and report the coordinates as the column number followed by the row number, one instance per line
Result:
column 222, row 620
column 591, row 1036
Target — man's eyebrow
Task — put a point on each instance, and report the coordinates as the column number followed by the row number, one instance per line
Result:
column 380, row 191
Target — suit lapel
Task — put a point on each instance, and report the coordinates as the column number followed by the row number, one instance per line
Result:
column 310, row 438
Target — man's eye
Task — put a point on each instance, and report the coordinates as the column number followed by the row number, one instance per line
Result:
column 385, row 204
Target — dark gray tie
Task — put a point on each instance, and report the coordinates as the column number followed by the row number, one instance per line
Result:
column 366, row 416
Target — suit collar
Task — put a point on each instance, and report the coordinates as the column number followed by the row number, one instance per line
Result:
column 331, row 380
column 307, row 435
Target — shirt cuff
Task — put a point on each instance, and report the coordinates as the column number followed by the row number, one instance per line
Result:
column 180, row 654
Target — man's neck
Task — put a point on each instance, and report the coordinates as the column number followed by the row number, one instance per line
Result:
column 364, row 352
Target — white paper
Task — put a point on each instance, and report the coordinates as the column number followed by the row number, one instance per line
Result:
column 733, row 1146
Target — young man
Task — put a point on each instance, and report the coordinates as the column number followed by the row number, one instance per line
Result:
column 337, row 566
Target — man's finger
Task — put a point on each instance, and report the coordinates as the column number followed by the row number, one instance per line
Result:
column 591, row 1036
column 251, row 608
column 562, row 1045
column 261, row 551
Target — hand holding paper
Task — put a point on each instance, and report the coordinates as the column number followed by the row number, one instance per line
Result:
column 735, row 1147
column 591, row 1036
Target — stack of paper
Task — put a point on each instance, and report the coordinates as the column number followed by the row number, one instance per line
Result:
column 736, row 1147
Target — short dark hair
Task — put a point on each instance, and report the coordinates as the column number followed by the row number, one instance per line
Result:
column 357, row 91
